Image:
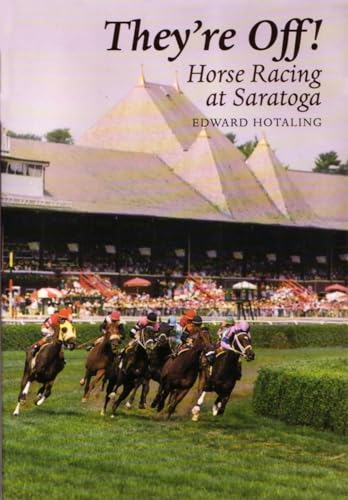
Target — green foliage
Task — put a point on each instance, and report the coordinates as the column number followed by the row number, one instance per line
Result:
column 32, row 137
column 61, row 135
column 325, row 161
column 248, row 147
column 314, row 394
column 18, row 336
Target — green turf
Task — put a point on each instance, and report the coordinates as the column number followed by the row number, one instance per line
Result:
column 66, row 450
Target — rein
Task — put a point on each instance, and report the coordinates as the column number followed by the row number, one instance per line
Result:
column 241, row 349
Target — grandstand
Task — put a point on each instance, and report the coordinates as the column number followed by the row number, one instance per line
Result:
column 145, row 193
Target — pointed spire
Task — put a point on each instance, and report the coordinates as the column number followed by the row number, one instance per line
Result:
column 176, row 83
column 204, row 133
column 263, row 140
column 142, row 81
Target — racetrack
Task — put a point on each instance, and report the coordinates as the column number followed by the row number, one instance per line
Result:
column 65, row 449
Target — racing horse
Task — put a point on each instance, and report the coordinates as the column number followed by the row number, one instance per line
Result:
column 156, row 357
column 46, row 364
column 130, row 369
column 225, row 372
column 99, row 358
column 179, row 373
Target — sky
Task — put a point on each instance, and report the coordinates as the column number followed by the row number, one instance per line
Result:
column 57, row 71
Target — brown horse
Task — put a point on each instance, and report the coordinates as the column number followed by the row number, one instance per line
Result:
column 99, row 358
column 179, row 374
column 225, row 372
column 46, row 364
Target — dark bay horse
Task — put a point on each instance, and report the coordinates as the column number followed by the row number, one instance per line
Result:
column 46, row 364
column 130, row 369
column 99, row 358
column 156, row 359
column 225, row 372
column 179, row 373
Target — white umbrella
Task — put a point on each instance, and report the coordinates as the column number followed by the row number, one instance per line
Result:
column 244, row 285
column 47, row 293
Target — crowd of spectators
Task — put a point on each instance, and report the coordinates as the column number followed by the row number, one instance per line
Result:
column 198, row 293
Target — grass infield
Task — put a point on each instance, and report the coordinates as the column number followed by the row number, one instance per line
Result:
column 66, row 450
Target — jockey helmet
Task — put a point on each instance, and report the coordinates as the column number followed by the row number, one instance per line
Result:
column 190, row 314
column 151, row 317
column 172, row 321
column 65, row 313
column 115, row 316
column 229, row 320
column 197, row 320
column 244, row 326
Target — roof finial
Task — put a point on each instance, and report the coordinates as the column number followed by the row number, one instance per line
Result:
column 176, row 84
column 142, row 80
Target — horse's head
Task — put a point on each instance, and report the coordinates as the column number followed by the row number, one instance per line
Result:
column 241, row 344
column 148, row 338
column 115, row 341
column 114, row 335
column 67, row 334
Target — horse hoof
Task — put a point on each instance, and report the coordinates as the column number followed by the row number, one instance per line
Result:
column 40, row 401
column 215, row 410
column 112, row 395
column 195, row 417
column 83, row 400
column 102, row 413
column 142, row 406
column 82, row 381
column 112, row 416
column 128, row 405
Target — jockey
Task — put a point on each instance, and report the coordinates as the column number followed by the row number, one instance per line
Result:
column 187, row 317
column 227, row 339
column 49, row 325
column 228, row 334
column 145, row 321
column 229, row 321
column 113, row 318
column 175, row 332
column 191, row 329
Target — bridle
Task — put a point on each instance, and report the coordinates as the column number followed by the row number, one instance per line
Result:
column 241, row 349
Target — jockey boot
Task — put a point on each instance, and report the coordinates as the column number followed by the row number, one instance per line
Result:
column 36, row 347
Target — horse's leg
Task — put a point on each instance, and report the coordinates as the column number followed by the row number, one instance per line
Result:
column 98, row 376
column 83, row 380
column 163, row 392
column 24, row 390
column 127, row 387
column 156, row 398
column 221, row 401
column 180, row 394
column 197, row 408
column 144, row 392
column 109, row 389
column 47, row 389
column 88, row 377
column 130, row 401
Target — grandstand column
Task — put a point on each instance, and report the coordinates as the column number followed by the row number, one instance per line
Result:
column 42, row 239
column 10, row 286
column 188, row 253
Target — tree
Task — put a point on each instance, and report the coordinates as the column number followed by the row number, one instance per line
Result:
column 325, row 161
column 61, row 135
column 232, row 137
column 248, row 147
column 31, row 137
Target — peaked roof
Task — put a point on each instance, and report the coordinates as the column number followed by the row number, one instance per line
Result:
column 217, row 168
column 278, row 184
column 152, row 118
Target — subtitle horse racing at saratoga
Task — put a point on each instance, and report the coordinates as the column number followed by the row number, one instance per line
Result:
column 179, row 355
